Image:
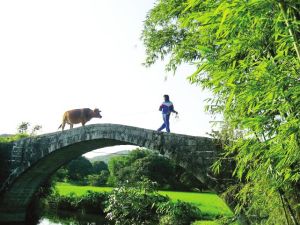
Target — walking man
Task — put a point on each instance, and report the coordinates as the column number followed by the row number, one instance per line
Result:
column 167, row 108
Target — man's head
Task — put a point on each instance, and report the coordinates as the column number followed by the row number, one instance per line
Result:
column 166, row 97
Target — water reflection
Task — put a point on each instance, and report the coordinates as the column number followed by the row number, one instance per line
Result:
column 71, row 218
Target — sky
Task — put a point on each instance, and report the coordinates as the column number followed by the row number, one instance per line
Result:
column 66, row 54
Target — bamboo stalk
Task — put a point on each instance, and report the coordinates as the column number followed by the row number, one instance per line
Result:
column 285, row 212
column 291, row 32
column 293, row 218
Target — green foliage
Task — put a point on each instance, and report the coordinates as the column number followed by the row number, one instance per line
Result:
column 61, row 175
column 247, row 54
column 68, row 203
column 99, row 166
column 141, row 163
column 133, row 205
column 143, row 205
column 23, row 128
column 90, row 202
column 81, row 171
column 178, row 213
column 114, row 165
column 216, row 222
column 79, row 168
column 98, row 179
column 11, row 138
column 210, row 204
column 93, row 202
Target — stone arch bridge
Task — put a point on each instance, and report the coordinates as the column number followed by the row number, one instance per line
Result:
column 33, row 160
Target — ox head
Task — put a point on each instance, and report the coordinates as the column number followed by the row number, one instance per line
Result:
column 97, row 113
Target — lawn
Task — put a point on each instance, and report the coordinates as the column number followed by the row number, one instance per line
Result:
column 209, row 203
column 66, row 188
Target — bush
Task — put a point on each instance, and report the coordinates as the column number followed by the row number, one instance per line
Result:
column 60, row 202
column 91, row 202
column 134, row 205
column 98, row 179
column 143, row 205
column 128, row 205
column 61, row 175
column 178, row 213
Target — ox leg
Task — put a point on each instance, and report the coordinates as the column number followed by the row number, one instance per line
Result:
column 71, row 126
column 63, row 125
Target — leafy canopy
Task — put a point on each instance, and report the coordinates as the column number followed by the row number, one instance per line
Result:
column 246, row 52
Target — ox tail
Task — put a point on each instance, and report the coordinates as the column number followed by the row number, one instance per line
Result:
column 59, row 126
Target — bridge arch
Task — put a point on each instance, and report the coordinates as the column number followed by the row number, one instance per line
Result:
column 36, row 158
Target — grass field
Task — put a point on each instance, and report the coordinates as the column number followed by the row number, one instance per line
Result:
column 209, row 203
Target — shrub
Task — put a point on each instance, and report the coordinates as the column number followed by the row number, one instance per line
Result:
column 91, row 202
column 60, row 202
column 143, row 205
column 178, row 213
column 132, row 206
column 98, row 179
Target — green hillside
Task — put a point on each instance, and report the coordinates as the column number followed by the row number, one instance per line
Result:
column 106, row 158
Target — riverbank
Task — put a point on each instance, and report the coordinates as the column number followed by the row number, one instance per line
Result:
column 210, row 204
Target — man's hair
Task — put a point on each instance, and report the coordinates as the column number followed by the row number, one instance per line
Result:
column 166, row 97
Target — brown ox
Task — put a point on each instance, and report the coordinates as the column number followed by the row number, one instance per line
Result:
column 82, row 116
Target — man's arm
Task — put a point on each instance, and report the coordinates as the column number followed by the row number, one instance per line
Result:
column 173, row 110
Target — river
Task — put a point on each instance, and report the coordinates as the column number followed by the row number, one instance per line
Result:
column 70, row 218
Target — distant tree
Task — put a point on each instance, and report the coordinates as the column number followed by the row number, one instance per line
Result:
column 115, row 166
column 35, row 129
column 79, row 168
column 23, row 127
column 98, row 166
column 98, row 179
column 156, row 168
column 141, row 163
column 61, row 175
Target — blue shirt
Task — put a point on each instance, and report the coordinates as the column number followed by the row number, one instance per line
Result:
column 166, row 107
